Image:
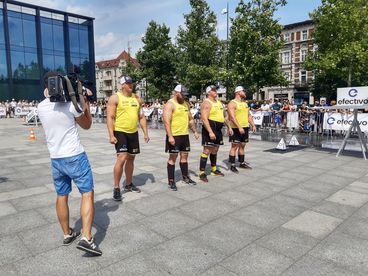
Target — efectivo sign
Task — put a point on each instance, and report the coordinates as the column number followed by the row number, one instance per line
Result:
column 352, row 95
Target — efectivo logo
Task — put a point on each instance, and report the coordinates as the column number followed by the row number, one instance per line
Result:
column 352, row 93
column 331, row 120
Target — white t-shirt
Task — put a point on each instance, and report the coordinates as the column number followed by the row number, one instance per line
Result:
column 58, row 121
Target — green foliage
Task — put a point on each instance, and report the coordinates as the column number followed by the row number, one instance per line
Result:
column 199, row 49
column 342, row 38
column 255, row 44
column 157, row 60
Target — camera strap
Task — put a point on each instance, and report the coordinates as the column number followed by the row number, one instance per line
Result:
column 73, row 95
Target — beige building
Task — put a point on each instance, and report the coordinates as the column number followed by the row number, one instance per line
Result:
column 108, row 73
column 298, row 42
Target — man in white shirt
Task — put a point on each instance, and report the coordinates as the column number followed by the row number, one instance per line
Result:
column 69, row 162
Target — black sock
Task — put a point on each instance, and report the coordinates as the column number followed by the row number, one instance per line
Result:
column 203, row 162
column 184, row 169
column 213, row 159
column 171, row 172
column 241, row 158
column 232, row 159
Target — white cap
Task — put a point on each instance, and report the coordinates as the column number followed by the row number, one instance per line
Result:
column 125, row 79
column 181, row 88
column 210, row 88
column 239, row 88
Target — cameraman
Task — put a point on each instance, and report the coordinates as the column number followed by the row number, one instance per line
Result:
column 69, row 162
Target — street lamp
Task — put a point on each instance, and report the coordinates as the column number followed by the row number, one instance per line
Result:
column 226, row 11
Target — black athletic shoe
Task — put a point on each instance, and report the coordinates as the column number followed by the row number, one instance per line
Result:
column 117, row 194
column 131, row 188
column 68, row 239
column 189, row 181
column 172, row 186
column 217, row 173
column 89, row 246
column 203, row 177
column 245, row 166
column 233, row 169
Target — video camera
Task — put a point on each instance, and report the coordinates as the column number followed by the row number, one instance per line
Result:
column 68, row 88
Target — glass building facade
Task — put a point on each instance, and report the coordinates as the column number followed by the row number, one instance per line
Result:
column 35, row 40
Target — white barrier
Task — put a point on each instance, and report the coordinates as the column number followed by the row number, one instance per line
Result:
column 2, row 111
column 292, row 119
column 341, row 121
column 257, row 117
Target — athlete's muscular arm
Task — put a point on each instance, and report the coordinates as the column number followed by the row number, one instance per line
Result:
column 205, row 113
column 169, row 108
column 231, row 107
column 142, row 120
column 192, row 124
column 111, row 113
column 251, row 122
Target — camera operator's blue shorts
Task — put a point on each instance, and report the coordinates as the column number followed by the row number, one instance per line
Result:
column 76, row 168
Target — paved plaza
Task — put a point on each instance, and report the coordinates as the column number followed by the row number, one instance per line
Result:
column 303, row 212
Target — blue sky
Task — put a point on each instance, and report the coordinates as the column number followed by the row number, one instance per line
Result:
column 119, row 22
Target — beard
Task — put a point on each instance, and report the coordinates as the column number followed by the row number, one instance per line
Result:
column 180, row 100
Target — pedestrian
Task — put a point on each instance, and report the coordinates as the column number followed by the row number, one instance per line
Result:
column 123, row 113
column 69, row 162
column 177, row 118
column 212, row 115
column 240, row 119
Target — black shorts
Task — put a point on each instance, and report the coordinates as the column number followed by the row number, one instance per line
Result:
column 217, row 130
column 127, row 142
column 182, row 144
column 239, row 138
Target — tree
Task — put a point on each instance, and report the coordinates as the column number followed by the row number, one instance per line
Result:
column 255, row 44
column 157, row 60
column 199, row 48
column 342, row 39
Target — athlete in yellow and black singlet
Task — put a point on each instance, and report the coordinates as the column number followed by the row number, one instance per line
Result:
column 240, row 118
column 177, row 118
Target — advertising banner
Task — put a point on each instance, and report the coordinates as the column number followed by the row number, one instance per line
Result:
column 257, row 117
column 352, row 96
column 2, row 111
column 341, row 121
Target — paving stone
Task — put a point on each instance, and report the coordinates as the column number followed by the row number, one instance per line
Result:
column 355, row 227
column 190, row 193
column 63, row 260
column 282, row 204
column 218, row 271
column 309, row 265
column 120, row 242
column 227, row 234
column 170, row 223
column 334, row 209
column 314, row 224
column 344, row 250
column 236, row 198
column 22, row 193
column 12, row 249
column 184, row 255
column 334, row 179
column 34, row 201
column 20, row 221
column 6, row 208
column 359, row 187
column 11, row 185
column 155, row 204
column 306, row 194
column 260, row 216
column 349, row 198
column 135, row 265
column 289, row 243
column 256, row 260
column 206, row 209
column 9, row 270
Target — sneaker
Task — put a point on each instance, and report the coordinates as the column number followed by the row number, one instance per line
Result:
column 89, row 246
column 233, row 169
column 68, row 239
column 189, row 181
column 203, row 177
column 172, row 186
column 117, row 194
column 245, row 166
column 217, row 173
column 131, row 188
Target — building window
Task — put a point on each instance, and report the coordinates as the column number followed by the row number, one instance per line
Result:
column 286, row 58
column 287, row 75
column 303, row 76
column 287, row 37
column 304, row 34
column 303, row 54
